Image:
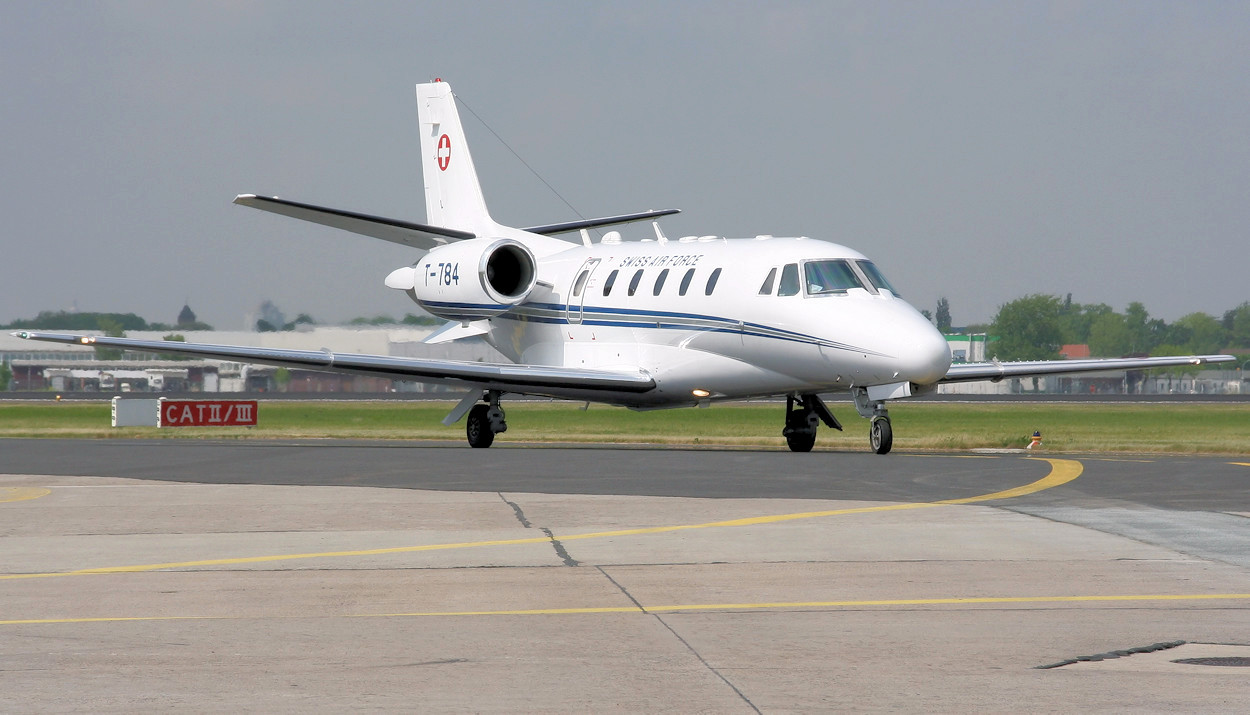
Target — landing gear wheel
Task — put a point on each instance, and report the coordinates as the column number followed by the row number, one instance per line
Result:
column 801, row 425
column 478, row 428
column 881, row 435
column 801, row 440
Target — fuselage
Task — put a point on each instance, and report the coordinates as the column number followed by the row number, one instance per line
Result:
column 711, row 318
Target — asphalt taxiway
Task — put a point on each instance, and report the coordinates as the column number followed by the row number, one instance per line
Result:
column 291, row 576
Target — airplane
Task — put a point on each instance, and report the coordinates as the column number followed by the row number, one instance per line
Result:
column 649, row 324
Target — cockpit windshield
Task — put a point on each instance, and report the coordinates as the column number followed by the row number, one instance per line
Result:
column 874, row 276
column 829, row 277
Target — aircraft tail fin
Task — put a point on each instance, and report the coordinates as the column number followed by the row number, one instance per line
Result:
column 453, row 196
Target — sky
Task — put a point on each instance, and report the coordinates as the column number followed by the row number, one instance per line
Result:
column 975, row 151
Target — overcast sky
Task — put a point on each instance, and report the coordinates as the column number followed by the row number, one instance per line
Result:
column 977, row 151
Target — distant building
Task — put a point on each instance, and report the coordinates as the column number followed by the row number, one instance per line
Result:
column 1074, row 352
column 75, row 368
column 969, row 347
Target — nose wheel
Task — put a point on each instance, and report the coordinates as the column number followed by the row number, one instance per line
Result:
column 881, row 435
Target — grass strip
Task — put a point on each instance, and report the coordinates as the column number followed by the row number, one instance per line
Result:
column 1066, row 427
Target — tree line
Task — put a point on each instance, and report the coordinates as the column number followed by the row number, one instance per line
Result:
column 107, row 322
column 1036, row 326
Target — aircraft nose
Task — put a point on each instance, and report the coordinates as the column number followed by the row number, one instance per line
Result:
column 924, row 354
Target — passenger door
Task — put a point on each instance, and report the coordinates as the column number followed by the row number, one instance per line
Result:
column 576, row 303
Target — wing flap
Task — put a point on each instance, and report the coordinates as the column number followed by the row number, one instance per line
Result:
column 405, row 233
column 525, row 379
column 995, row 371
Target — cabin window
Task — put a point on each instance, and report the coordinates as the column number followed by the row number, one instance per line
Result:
column 711, row 282
column 767, row 288
column 607, row 285
column 874, row 276
column 789, row 280
column 659, row 282
column 685, row 282
column 580, row 283
column 633, row 282
column 824, row 277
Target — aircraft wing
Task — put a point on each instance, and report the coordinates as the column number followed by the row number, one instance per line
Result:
column 506, row 377
column 416, row 235
column 995, row 371
column 568, row 226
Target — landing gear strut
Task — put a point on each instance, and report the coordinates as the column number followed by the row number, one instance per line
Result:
column 802, row 423
column 880, row 433
column 485, row 421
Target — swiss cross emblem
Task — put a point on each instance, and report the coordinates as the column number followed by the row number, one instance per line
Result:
column 444, row 152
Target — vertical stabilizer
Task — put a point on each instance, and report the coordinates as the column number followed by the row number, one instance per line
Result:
column 453, row 196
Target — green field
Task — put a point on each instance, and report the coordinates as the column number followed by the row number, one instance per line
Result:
column 1065, row 427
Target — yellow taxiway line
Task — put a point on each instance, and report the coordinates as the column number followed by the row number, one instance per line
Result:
column 1062, row 471
column 9, row 494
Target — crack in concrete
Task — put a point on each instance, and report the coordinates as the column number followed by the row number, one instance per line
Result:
column 555, row 543
column 1110, row 655
column 560, row 550
column 520, row 515
column 679, row 638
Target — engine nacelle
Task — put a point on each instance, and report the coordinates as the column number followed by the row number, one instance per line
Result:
column 470, row 280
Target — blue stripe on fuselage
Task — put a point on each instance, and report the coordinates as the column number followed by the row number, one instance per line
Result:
column 557, row 314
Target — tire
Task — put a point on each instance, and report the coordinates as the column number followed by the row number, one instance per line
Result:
column 477, row 427
column 881, row 435
column 801, row 440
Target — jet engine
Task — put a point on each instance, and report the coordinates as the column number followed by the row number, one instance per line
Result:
column 469, row 280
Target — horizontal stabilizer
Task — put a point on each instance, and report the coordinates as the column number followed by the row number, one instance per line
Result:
column 406, row 233
column 570, row 226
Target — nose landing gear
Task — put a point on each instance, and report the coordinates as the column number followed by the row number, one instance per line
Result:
column 880, row 433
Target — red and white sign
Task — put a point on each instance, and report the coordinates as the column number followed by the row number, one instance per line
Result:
column 444, row 152
column 207, row 413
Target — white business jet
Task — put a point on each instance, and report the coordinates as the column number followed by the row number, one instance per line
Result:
column 650, row 324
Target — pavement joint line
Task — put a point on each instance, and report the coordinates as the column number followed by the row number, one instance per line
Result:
column 1061, row 472
column 641, row 609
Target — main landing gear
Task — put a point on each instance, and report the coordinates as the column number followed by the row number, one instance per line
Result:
column 804, row 413
column 801, row 423
column 485, row 421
